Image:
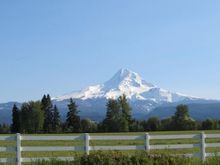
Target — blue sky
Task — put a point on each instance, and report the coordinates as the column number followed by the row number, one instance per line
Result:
column 59, row 46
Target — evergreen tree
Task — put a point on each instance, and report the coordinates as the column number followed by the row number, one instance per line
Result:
column 37, row 116
column 182, row 120
column 15, row 126
column 118, row 116
column 166, row 124
column 208, row 124
column 136, row 126
column 88, row 126
column 56, row 120
column 4, row 128
column 25, row 118
column 72, row 118
column 46, row 106
column 125, row 113
column 113, row 116
column 153, row 124
column 32, row 117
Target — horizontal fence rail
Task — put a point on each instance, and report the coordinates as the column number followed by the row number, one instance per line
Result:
column 86, row 148
column 116, row 137
column 164, row 137
column 8, row 138
column 122, row 148
column 57, row 148
column 49, row 138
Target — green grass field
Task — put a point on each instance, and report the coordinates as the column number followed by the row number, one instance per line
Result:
column 112, row 143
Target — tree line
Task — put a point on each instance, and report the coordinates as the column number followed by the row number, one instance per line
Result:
column 181, row 120
column 43, row 117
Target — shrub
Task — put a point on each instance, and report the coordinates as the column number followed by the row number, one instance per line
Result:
column 121, row 158
column 139, row 158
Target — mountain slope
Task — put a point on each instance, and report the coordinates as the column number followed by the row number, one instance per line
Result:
column 129, row 83
column 145, row 98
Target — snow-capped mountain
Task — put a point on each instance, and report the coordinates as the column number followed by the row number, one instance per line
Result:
column 129, row 83
column 145, row 99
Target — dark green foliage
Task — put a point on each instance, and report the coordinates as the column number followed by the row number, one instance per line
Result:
column 153, row 124
column 113, row 116
column 4, row 128
column 72, row 118
column 31, row 117
column 136, row 126
column 15, row 126
column 125, row 113
column 38, row 117
column 52, row 162
column 56, row 123
column 88, row 126
column 120, row 158
column 139, row 158
column 181, row 115
column 190, row 125
column 118, row 116
column 212, row 161
column 182, row 120
column 26, row 118
column 46, row 106
column 208, row 124
column 166, row 124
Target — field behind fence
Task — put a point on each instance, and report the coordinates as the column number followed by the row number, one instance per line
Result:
column 26, row 148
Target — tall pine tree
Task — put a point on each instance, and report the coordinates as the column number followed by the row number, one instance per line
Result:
column 113, row 116
column 125, row 113
column 118, row 116
column 15, row 126
column 37, row 116
column 182, row 120
column 56, row 120
column 72, row 118
column 31, row 117
column 47, row 106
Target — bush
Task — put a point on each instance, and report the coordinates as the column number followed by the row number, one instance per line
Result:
column 52, row 162
column 139, row 158
column 121, row 158
column 212, row 161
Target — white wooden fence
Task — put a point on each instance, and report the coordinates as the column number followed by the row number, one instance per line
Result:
column 87, row 148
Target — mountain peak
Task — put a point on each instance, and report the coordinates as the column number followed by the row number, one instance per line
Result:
column 129, row 83
column 126, row 77
column 123, row 72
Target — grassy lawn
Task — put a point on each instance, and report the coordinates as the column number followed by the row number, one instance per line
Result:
column 112, row 143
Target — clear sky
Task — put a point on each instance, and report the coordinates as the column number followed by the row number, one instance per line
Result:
column 58, row 46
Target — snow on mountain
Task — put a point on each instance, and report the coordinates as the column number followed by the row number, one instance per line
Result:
column 145, row 99
column 129, row 83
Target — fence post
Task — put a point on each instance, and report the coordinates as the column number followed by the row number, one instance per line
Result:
column 147, row 142
column 203, row 146
column 18, row 149
column 87, row 143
